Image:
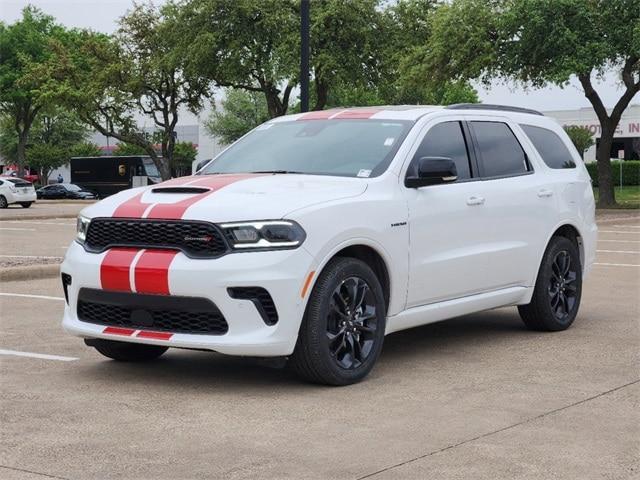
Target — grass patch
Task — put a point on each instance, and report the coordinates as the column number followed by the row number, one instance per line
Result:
column 627, row 197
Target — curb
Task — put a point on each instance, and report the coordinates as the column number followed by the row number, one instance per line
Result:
column 31, row 272
column 39, row 217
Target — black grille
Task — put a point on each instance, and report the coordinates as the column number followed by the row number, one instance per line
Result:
column 260, row 298
column 151, row 312
column 195, row 239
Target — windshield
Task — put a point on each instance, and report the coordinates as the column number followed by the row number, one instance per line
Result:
column 351, row 148
column 150, row 168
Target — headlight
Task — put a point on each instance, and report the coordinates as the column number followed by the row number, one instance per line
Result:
column 264, row 234
column 82, row 227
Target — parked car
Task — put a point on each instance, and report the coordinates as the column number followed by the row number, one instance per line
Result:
column 317, row 234
column 16, row 190
column 65, row 190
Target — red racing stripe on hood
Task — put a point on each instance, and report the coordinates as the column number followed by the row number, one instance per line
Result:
column 152, row 271
column 135, row 208
column 114, row 269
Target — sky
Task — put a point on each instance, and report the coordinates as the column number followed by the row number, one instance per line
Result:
column 102, row 15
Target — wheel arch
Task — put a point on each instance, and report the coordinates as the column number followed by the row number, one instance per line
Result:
column 570, row 232
column 366, row 251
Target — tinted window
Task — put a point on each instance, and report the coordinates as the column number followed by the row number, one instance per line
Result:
column 550, row 147
column 500, row 151
column 446, row 140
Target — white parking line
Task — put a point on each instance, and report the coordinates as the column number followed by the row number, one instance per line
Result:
column 619, row 251
column 29, row 256
column 618, row 231
column 19, row 229
column 25, row 295
column 617, row 264
column 619, row 241
column 41, row 356
column 625, row 226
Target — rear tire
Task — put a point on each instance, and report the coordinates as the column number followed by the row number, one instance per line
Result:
column 3, row 202
column 558, row 289
column 127, row 352
column 26, row 204
column 342, row 331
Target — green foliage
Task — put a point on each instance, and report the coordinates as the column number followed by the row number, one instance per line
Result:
column 23, row 45
column 55, row 134
column 108, row 80
column 125, row 149
column 581, row 138
column 241, row 111
column 184, row 155
column 630, row 172
column 85, row 149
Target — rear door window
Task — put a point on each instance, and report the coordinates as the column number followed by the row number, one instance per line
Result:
column 550, row 147
column 445, row 140
column 500, row 152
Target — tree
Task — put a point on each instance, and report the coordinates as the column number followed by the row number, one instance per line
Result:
column 246, row 45
column 183, row 158
column 537, row 42
column 85, row 149
column 580, row 137
column 24, row 44
column 107, row 80
column 54, row 135
column 241, row 111
column 125, row 149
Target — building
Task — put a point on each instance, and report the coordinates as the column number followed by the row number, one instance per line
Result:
column 627, row 136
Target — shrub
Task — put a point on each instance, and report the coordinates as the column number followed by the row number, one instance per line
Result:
column 630, row 172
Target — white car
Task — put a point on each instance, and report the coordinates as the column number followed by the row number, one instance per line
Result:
column 16, row 190
column 316, row 234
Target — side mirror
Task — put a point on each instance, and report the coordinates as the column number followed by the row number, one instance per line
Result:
column 201, row 165
column 432, row 171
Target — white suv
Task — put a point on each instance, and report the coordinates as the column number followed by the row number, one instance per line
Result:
column 316, row 234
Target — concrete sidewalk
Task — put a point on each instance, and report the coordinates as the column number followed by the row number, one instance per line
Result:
column 45, row 209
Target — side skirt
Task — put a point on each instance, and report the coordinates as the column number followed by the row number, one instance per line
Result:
column 436, row 312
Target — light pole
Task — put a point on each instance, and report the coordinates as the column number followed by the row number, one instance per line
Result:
column 304, row 55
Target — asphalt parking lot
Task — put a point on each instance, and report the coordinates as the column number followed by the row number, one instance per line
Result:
column 476, row 397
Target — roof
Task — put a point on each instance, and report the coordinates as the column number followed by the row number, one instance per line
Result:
column 398, row 112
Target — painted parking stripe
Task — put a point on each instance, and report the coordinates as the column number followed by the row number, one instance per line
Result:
column 618, row 231
column 626, row 226
column 619, row 241
column 30, row 256
column 617, row 264
column 619, row 251
column 41, row 356
column 27, row 222
column 19, row 229
column 25, row 295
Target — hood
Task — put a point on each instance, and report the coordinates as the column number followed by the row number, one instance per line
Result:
column 227, row 197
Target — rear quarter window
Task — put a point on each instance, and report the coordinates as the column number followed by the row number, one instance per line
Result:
column 550, row 146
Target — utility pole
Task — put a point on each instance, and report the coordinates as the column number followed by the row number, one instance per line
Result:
column 304, row 55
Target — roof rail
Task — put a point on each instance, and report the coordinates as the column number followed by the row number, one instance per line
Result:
column 488, row 106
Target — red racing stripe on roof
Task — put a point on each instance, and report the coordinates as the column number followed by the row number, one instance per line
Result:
column 318, row 115
column 357, row 114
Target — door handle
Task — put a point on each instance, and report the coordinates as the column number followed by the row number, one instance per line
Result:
column 475, row 201
column 545, row 193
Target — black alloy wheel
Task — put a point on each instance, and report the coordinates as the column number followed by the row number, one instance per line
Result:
column 351, row 323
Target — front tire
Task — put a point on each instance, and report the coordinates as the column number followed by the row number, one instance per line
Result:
column 556, row 297
column 26, row 204
column 342, row 331
column 127, row 352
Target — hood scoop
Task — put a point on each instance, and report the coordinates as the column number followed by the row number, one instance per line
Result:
column 192, row 190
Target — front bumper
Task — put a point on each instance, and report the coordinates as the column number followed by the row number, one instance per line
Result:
column 281, row 273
